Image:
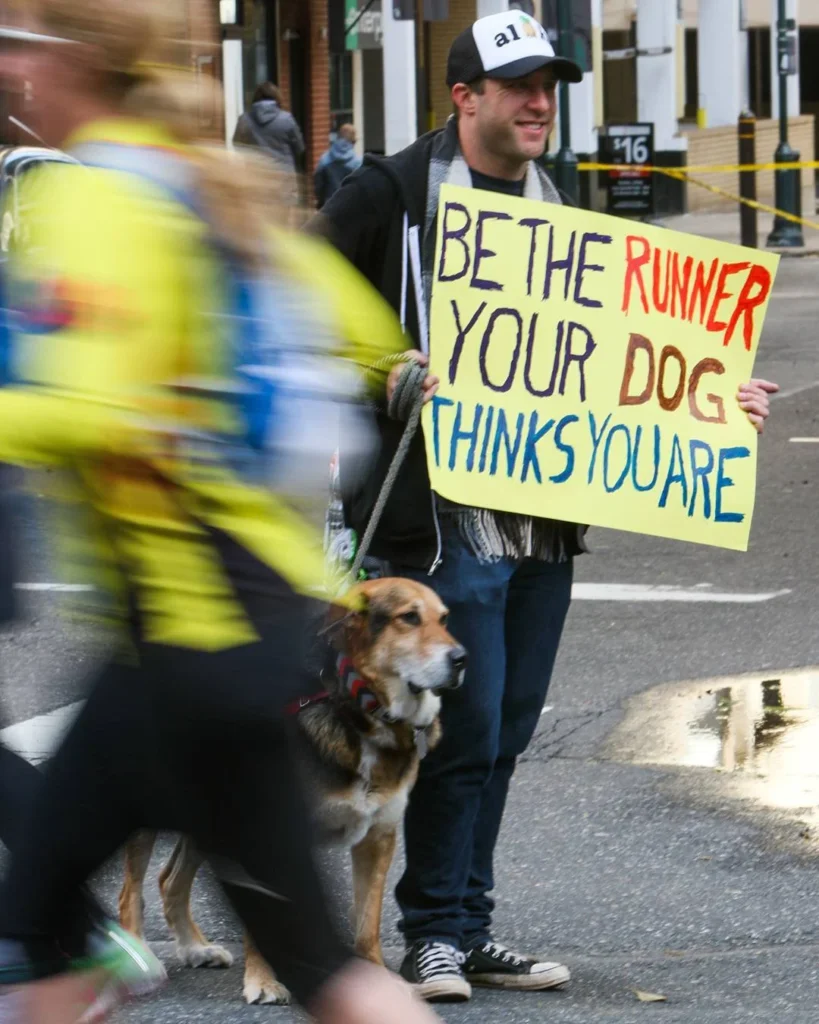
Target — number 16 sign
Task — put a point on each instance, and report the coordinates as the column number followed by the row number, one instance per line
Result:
column 630, row 192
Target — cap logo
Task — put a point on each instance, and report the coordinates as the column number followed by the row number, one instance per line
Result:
column 528, row 27
column 505, row 38
column 512, row 35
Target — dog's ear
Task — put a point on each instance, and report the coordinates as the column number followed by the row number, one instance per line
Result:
column 346, row 620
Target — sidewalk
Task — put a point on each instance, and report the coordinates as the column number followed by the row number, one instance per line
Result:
column 723, row 226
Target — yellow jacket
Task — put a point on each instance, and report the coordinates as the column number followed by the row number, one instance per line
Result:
column 110, row 297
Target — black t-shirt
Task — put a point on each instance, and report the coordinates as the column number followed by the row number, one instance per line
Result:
column 490, row 184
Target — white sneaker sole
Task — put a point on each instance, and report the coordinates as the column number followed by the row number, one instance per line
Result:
column 444, row 990
column 524, row 982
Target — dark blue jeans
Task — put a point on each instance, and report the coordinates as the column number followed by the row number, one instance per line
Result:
column 509, row 615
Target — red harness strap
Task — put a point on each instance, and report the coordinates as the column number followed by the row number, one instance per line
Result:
column 294, row 707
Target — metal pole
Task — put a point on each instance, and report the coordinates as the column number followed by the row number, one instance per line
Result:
column 787, row 183
column 746, row 131
column 566, row 173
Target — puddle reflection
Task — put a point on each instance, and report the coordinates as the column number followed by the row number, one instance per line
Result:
column 763, row 729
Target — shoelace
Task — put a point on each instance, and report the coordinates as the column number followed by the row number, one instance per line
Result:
column 439, row 957
column 495, row 949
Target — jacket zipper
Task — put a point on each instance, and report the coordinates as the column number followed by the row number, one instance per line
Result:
column 439, row 551
column 411, row 260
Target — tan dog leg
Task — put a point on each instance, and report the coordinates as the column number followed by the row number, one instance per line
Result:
column 371, row 862
column 261, row 985
column 175, row 883
column 138, row 851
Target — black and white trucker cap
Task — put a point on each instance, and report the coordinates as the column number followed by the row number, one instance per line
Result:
column 505, row 45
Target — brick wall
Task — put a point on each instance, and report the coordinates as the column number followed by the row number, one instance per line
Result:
column 719, row 146
column 309, row 19
column 319, row 83
column 441, row 33
column 202, row 30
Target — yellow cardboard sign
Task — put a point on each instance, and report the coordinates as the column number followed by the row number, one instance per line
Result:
column 589, row 368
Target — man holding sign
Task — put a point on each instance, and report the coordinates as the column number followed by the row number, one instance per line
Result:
column 464, row 234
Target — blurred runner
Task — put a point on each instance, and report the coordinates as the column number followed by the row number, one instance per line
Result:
column 145, row 268
column 89, row 926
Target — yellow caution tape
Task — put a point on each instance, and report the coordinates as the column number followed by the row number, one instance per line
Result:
column 700, row 168
column 751, row 202
column 684, row 174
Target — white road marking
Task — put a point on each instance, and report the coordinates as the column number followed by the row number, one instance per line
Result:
column 59, row 588
column 37, row 737
column 804, row 440
column 647, row 592
column 796, row 391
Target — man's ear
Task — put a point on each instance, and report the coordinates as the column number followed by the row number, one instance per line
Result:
column 463, row 98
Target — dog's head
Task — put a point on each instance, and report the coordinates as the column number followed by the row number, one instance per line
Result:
column 399, row 642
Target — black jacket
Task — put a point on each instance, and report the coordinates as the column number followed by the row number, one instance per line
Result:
column 272, row 130
column 365, row 221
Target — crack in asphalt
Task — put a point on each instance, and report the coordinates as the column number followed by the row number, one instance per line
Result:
column 549, row 742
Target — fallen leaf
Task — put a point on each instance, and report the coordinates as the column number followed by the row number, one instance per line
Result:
column 649, row 997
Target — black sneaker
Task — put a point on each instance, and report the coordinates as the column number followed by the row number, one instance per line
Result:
column 492, row 964
column 434, row 970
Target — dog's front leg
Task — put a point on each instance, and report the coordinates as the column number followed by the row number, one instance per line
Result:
column 175, row 883
column 371, row 862
column 138, row 851
column 261, row 985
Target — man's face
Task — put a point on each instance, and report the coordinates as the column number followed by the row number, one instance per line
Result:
column 515, row 117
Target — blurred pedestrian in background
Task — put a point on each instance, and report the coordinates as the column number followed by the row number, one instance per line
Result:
column 340, row 160
column 148, row 300
column 272, row 130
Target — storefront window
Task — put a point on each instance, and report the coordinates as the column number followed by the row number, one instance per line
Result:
column 254, row 46
column 341, row 89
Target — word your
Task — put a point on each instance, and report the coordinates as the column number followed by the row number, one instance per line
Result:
column 489, row 440
column 571, row 343
column 681, row 288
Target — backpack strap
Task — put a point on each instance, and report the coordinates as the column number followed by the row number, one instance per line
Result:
column 171, row 174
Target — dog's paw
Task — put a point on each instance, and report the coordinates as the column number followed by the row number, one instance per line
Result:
column 265, row 990
column 198, row 955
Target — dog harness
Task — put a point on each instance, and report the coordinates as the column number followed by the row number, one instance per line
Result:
column 354, row 684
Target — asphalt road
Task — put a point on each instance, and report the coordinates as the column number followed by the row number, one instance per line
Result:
column 649, row 877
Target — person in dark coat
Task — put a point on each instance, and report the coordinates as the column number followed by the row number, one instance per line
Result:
column 270, row 128
column 336, row 164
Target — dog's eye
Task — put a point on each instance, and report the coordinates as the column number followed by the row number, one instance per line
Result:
column 411, row 618
column 444, row 620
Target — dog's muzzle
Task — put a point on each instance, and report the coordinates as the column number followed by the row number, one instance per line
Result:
column 456, row 658
column 457, row 667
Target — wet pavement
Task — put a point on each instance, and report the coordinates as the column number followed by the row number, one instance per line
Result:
column 761, row 731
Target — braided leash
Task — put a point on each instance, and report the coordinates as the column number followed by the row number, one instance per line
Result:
column 405, row 404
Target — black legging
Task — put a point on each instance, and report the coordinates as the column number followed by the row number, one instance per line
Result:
column 194, row 742
column 19, row 783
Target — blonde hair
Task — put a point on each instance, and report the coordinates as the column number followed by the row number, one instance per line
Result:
column 142, row 48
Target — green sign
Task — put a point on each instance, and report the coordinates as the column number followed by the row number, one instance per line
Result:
column 362, row 23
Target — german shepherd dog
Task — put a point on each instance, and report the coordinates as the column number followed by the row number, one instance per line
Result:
column 365, row 737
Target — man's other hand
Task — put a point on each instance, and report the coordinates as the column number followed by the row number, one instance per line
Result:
column 753, row 398
column 431, row 383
